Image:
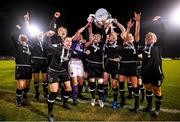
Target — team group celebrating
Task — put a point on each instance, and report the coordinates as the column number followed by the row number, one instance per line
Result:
column 66, row 62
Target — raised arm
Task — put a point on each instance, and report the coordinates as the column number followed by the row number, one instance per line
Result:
column 18, row 29
column 90, row 35
column 120, row 26
column 129, row 26
column 161, row 40
column 15, row 34
column 27, row 25
column 90, row 31
column 26, row 19
column 137, row 29
column 88, row 43
column 53, row 24
column 80, row 31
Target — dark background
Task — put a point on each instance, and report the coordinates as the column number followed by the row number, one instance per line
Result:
column 75, row 13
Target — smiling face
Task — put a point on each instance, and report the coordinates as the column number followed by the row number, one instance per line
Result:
column 131, row 37
column 113, row 36
column 150, row 38
column 96, row 38
column 62, row 32
column 67, row 42
column 23, row 39
column 40, row 35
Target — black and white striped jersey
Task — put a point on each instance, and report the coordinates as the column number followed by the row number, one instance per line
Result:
column 61, row 57
column 95, row 53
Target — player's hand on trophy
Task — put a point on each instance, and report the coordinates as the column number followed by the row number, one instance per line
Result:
column 57, row 14
column 115, row 21
column 103, row 21
column 90, row 19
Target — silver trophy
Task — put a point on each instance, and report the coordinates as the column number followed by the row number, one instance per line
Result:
column 102, row 18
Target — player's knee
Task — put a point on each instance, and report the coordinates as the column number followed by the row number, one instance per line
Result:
column 92, row 86
column 100, row 81
column 92, row 79
column 149, row 87
column 158, row 92
column 68, row 88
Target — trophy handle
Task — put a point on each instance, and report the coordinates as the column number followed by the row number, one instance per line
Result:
column 91, row 17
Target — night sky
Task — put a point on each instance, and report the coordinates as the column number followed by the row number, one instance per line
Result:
column 74, row 15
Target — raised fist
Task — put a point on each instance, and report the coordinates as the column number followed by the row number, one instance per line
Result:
column 137, row 16
column 156, row 18
column 130, row 23
column 18, row 27
column 26, row 17
column 50, row 33
column 57, row 14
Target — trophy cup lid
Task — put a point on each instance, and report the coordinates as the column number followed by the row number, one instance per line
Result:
column 102, row 14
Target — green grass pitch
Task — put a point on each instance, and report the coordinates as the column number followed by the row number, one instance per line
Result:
column 37, row 111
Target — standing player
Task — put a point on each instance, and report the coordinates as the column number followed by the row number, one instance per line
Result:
column 129, row 60
column 94, row 59
column 56, row 37
column 58, row 72
column 39, row 65
column 113, row 52
column 113, row 49
column 39, row 60
column 76, row 68
column 23, row 73
column 152, row 68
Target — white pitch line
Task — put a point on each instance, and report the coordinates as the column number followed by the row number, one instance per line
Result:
column 175, row 111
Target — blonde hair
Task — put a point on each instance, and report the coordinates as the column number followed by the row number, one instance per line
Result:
column 67, row 38
column 153, row 35
column 24, row 36
column 62, row 28
column 113, row 33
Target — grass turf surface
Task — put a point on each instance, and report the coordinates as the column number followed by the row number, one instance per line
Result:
column 37, row 111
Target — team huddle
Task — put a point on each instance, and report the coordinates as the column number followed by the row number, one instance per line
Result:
column 66, row 62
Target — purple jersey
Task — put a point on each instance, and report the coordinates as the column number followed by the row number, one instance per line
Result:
column 78, row 49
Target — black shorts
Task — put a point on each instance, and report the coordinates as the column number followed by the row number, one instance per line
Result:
column 153, row 76
column 23, row 72
column 95, row 70
column 58, row 76
column 39, row 65
column 112, row 67
column 128, row 69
